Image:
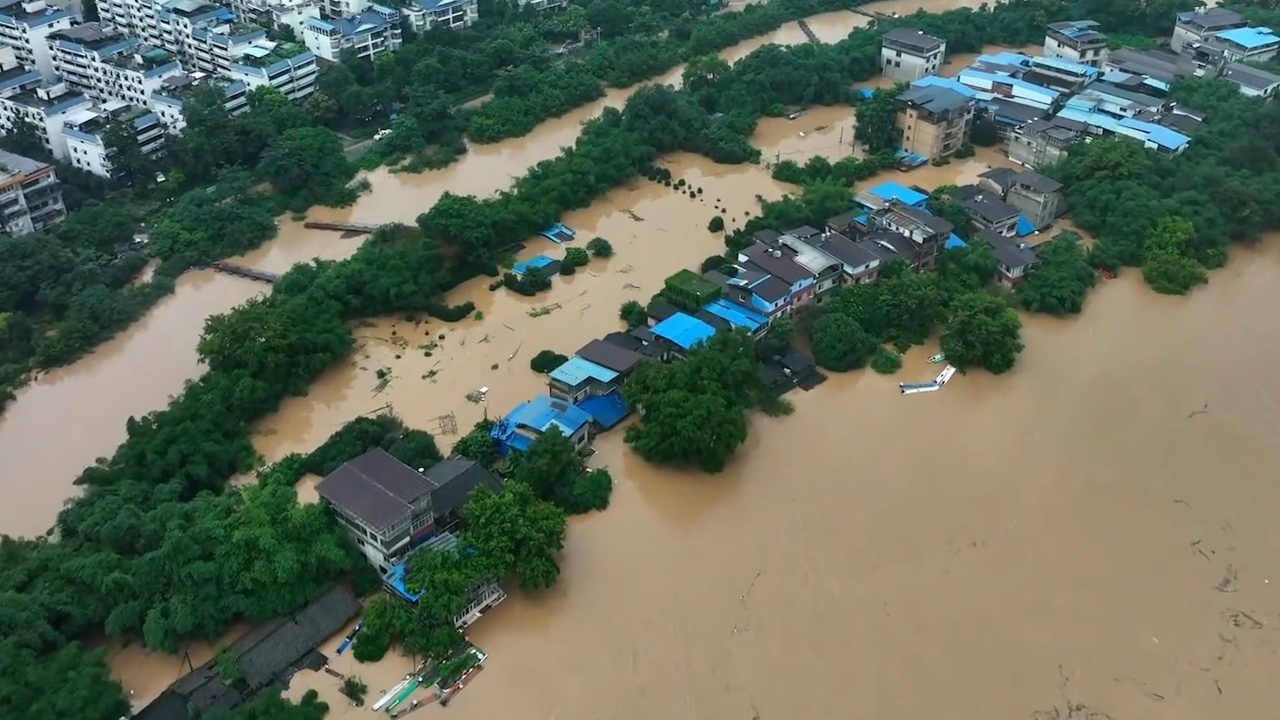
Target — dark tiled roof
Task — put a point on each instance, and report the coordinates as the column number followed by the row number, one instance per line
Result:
column 376, row 488
column 783, row 267
column 1004, row 177
column 1007, row 250
column 984, row 205
column 847, row 251
column 455, row 479
column 934, row 98
column 915, row 39
column 660, row 310
column 921, row 217
column 1249, row 77
column 714, row 321
column 626, row 341
column 1038, row 182
column 766, row 236
column 771, row 289
column 617, row 359
column 1214, row 18
column 902, row 246
column 804, row 232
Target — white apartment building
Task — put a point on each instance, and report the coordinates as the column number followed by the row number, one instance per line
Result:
column 544, row 4
column 287, row 67
column 25, row 26
column 906, row 54
column 30, row 195
column 428, row 14
column 168, row 102
column 1076, row 40
column 374, row 31
column 43, row 105
column 85, row 133
column 107, row 65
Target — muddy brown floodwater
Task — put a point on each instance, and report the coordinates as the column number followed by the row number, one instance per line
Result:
column 1091, row 533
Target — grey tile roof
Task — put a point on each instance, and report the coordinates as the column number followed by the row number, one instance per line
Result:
column 771, row 289
column 1008, row 251
column 1249, row 77
column 617, row 359
column 917, row 40
column 780, row 266
column 1038, row 182
column 1003, row 177
column 934, row 99
column 1214, row 18
column 847, row 251
column 984, row 205
column 375, row 488
column 889, row 245
column 455, row 480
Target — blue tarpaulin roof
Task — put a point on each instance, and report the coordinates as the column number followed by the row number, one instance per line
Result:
column 578, row 370
column 867, row 92
column 1025, row 227
column 683, row 330
column 606, row 410
column 948, row 83
column 955, row 242
column 536, row 262
column 903, row 194
column 396, row 575
column 736, row 315
column 539, row 414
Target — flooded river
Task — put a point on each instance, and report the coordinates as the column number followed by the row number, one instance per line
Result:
column 1091, row 533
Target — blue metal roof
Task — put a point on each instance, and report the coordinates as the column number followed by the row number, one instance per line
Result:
column 577, row 371
column 683, row 330
column 1250, row 37
column 903, row 194
column 948, row 83
column 606, row 410
column 540, row 415
column 736, row 315
column 537, row 262
column 1049, row 94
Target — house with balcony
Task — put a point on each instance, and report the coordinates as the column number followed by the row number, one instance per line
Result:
column 85, row 134
column 987, row 209
column 578, row 379
column 25, row 26
column 1079, row 41
column 859, row 261
column 1014, row 259
column 30, row 195
column 1041, row 143
column 175, row 91
column 387, row 508
column 1251, row 81
column 1247, row 44
column 486, row 594
column 530, row 419
column 907, row 54
column 108, row 65
column 934, row 119
column 423, row 15
column 781, row 265
column 1197, row 26
column 285, row 66
column 926, row 234
column 371, row 32
column 26, row 97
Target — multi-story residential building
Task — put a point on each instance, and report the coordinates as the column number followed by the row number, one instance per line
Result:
column 85, row 134
column 1201, row 24
column 25, row 26
column 425, row 15
column 906, row 54
column 1077, row 41
column 168, row 102
column 106, row 65
column 926, row 233
column 1014, row 259
column 388, row 508
column 287, row 67
column 373, row 31
column 1247, row 44
column 42, row 105
column 988, row 210
column 1041, row 143
column 934, row 120
column 1037, row 197
column 30, row 195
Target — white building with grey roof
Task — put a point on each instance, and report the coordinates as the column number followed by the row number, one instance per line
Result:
column 907, row 54
column 1251, row 81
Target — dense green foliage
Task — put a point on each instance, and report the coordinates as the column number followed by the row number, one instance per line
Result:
column 555, row 472
column 546, row 361
column 512, row 533
column 1061, row 280
column 693, row 412
column 633, row 314
column 886, row 361
column 982, row 331
column 600, row 247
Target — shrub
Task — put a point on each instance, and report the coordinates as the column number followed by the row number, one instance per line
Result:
column 546, row 361
column 529, row 285
column 716, row 225
column 577, row 257
column 713, row 262
column 965, row 151
column 599, row 247
column 567, row 268
column 886, row 361
column 633, row 314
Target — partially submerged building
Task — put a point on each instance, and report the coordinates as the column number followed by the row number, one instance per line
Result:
column 907, row 54
column 1014, row 259
column 1076, row 40
column 531, row 419
column 387, row 508
column 486, row 594
column 935, row 119
column 268, row 655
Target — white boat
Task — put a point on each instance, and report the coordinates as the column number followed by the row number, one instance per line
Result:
column 945, row 376
column 935, row 359
column 391, row 694
column 913, row 388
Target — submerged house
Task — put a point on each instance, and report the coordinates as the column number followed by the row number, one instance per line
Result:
column 1013, row 258
column 530, row 419
column 579, row 378
column 387, row 508
column 679, row 334
column 267, row 655
column 486, row 594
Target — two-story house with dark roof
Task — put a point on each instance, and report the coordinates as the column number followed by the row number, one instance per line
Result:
column 388, row 508
column 927, row 234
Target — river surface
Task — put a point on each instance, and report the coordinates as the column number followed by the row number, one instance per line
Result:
column 1092, row 531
